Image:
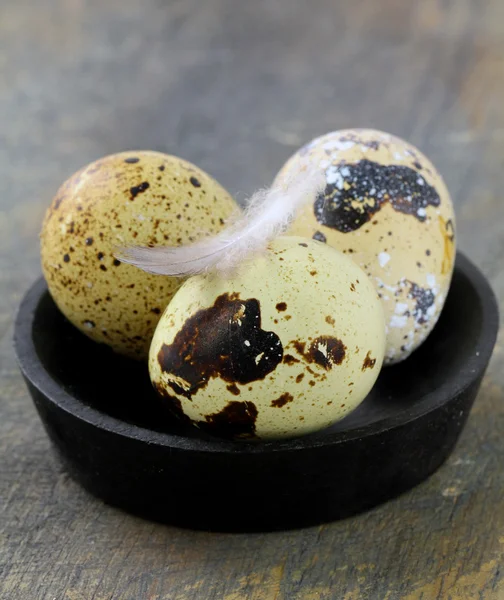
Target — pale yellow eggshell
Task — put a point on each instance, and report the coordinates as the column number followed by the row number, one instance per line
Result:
column 406, row 246
column 137, row 197
column 290, row 344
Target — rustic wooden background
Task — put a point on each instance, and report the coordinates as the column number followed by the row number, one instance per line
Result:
column 236, row 87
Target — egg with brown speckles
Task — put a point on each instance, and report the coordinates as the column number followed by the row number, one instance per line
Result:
column 289, row 344
column 386, row 206
column 130, row 198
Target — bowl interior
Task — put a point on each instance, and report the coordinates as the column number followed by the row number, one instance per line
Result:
column 119, row 387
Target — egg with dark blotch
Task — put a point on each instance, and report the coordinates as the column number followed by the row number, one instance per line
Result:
column 289, row 344
column 386, row 206
column 132, row 198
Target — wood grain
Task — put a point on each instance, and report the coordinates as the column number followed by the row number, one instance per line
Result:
column 236, row 88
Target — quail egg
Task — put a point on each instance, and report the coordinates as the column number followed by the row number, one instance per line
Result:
column 289, row 344
column 386, row 206
column 130, row 198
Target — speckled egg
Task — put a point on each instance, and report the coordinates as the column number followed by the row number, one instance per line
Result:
column 387, row 207
column 290, row 344
column 139, row 198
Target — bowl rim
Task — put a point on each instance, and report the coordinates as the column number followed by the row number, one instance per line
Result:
column 34, row 371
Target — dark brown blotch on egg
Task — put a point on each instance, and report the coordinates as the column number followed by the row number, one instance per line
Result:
column 299, row 346
column 171, row 404
column 369, row 362
column 282, row 400
column 288, row 359
column 349, row 207
column 325, row 351
column 139, row 189
column 224, row 340
column 235, row 420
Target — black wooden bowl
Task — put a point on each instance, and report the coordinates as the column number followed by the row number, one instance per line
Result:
column 103, row 417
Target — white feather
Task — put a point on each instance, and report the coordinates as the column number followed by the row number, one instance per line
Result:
column 268, row 214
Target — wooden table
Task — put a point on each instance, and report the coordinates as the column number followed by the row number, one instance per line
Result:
column 236, row 87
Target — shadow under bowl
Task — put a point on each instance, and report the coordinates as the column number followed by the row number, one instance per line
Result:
column 109, row 429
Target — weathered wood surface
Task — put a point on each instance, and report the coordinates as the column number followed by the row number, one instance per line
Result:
column 236, row 87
